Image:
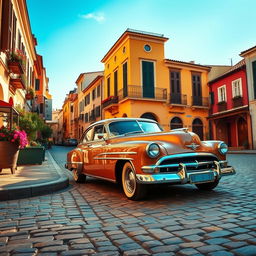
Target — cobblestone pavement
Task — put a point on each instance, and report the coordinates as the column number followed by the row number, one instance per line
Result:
column 96, row 219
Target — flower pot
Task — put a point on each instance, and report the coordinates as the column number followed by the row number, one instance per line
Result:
column 31, row 155
column 8, row 155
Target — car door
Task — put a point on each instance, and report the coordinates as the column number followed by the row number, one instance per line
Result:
column 95, row 147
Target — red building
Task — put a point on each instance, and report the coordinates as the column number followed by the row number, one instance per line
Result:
column 229, row 117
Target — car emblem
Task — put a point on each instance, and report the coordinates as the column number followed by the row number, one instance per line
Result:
column 193, row 146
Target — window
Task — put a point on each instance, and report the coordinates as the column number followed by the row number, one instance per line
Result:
column 86, row 117
column 72, row 109
column 97, row 111
column 37, row 87
column 98, row 91
column 147, row 47
column 99, row 132
column 237, row 88
column 88, row 135
column 93, row 94
column 115, row 84
column 222, row 94
column 176, row 123
column 108, row 87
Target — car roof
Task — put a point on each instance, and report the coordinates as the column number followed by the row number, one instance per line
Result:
column 125, row 119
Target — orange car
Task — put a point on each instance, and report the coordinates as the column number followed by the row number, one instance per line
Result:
column 136, row 152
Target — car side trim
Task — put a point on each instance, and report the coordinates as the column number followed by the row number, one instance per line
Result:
column 101, row 178
column 118, row 153
column 112, row 158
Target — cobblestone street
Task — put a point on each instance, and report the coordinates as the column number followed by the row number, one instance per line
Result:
column 96, row 219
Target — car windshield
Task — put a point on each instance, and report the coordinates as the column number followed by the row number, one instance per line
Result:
column 130, row 127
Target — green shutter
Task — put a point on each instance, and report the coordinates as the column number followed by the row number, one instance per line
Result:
column 125, row 91
column 148, row 79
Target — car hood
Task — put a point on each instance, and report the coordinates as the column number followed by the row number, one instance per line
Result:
column 173, row 141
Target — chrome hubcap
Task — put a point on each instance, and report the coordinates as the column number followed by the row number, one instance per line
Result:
column 130, row 180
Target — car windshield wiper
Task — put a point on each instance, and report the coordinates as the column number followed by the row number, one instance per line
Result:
column 132, row 132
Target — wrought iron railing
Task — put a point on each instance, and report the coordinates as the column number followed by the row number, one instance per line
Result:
column 237, row 102
column 136, row 92
column 222, row 106
column 200, row 101
column 177, row 98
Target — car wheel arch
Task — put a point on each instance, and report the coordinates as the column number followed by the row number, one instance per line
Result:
column 119, row 168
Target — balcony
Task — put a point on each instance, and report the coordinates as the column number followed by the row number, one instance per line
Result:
column 237, row 101
column 178, row 99
column 199, row 101
column 18, row 82
column 136, row 92
column 15, row 66
column 222, row 106
column 109, row 101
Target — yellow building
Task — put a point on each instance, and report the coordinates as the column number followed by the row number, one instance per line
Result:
column 140, row 82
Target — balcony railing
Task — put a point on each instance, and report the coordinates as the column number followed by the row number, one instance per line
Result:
column 222, row 106
column 200, row 101
column 237, row 102
column 136, row 92
column 18, row 82
column 108, row 101
column 179, row 99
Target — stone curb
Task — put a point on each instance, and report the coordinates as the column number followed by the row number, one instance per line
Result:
column 20, row 192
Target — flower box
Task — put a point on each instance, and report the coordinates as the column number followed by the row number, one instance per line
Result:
column 15, row 67
column 31, row 155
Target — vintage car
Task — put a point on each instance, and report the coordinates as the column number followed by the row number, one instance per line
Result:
column 137, row 152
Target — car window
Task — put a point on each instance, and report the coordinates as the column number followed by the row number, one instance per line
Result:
column 88, row 135
column 99, row 132
column 150, row 127
column 123, row 127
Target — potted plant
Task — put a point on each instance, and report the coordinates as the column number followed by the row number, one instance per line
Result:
column 10, row 143
column 30, row 93
column 32, row 124
column 16, row 61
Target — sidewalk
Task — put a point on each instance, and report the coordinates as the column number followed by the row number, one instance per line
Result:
column 32, row 180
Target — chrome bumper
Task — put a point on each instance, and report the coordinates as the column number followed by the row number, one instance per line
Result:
column 184, row 176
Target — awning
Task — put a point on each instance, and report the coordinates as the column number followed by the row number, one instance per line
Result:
column 11, row 112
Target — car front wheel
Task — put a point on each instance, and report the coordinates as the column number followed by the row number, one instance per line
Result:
column 208, row 186
column 78, row 177
column 132, row 189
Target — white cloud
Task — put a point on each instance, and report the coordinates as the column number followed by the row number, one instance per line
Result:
column 99, row 17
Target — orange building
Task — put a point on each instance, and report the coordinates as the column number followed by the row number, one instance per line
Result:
column 140, row 82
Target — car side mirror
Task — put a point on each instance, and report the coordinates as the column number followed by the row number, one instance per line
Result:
column 101, row 136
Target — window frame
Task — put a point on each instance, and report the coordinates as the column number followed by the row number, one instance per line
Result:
column 234, row 83
column 220, row 98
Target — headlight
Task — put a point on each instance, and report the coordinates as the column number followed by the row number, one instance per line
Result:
column 153, row 150
column 223, row 148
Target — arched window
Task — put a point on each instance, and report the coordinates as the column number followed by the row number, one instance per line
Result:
column 197, row 127
column 149, row 116
column 176, row 123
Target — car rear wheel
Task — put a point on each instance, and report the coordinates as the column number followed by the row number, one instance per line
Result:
column 78, row 177
column 132, row 189
column 208, row 186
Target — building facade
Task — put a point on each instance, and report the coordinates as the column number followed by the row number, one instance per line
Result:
column 250, row 60
column 140, row 82
column 89, row 87
column 19, row 63
column 230, row 117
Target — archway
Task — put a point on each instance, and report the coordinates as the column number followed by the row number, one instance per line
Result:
column 198, row 128
column 149, row 115
column 124, row 115
column 176, row 123
column 242, row 132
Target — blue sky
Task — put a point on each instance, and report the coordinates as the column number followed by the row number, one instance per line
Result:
column 73, row 36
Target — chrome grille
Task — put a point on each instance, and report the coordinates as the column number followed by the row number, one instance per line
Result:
column 193, row 163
